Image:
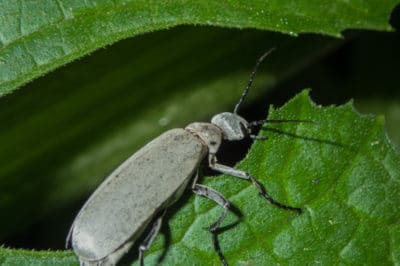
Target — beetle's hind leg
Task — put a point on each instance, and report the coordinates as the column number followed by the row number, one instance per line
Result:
column 145, row 245
column 224, row 203
column 243, row 175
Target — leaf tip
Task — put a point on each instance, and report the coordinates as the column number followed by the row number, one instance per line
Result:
column 303, row 96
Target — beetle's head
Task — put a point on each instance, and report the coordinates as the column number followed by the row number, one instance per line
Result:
column 233, row 126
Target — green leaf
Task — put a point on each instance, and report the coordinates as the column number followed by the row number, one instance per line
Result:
column 16, row 257
column 39, row 36
column 341, row 170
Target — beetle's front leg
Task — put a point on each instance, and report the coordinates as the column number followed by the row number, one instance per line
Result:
column 224, row 169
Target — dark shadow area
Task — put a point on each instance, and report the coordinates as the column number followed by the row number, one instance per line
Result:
column 366, row 66
column 41, row 235
column 394, row 19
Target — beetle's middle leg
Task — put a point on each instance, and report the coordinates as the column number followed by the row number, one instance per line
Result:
column 224, row 169
column 145, row 245
column 218, row 198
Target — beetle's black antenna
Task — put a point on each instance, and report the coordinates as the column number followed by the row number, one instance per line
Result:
column 253, row 73
column 263, row 121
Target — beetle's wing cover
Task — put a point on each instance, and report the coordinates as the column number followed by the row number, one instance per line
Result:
column 127, row 200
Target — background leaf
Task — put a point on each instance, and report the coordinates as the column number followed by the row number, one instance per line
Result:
column 36, row 37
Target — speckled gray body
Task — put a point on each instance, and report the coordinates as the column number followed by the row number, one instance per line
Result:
column 124, row 204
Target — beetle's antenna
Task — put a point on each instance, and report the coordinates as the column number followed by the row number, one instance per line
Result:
column 263, row 121
column 253, row 124
column 253, row 73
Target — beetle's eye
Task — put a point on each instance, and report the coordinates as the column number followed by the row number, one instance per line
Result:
column 244, row 128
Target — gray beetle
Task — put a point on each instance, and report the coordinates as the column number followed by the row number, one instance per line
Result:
column 140, row 190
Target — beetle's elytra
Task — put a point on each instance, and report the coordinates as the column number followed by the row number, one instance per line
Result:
column 140, row 190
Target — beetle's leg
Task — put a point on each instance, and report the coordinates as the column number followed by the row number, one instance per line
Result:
column 150, row 238
column 249, row 130
column 68, row 240
column 217, row 198
column 241, row 174
column 256, row 137
column 224, row 203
